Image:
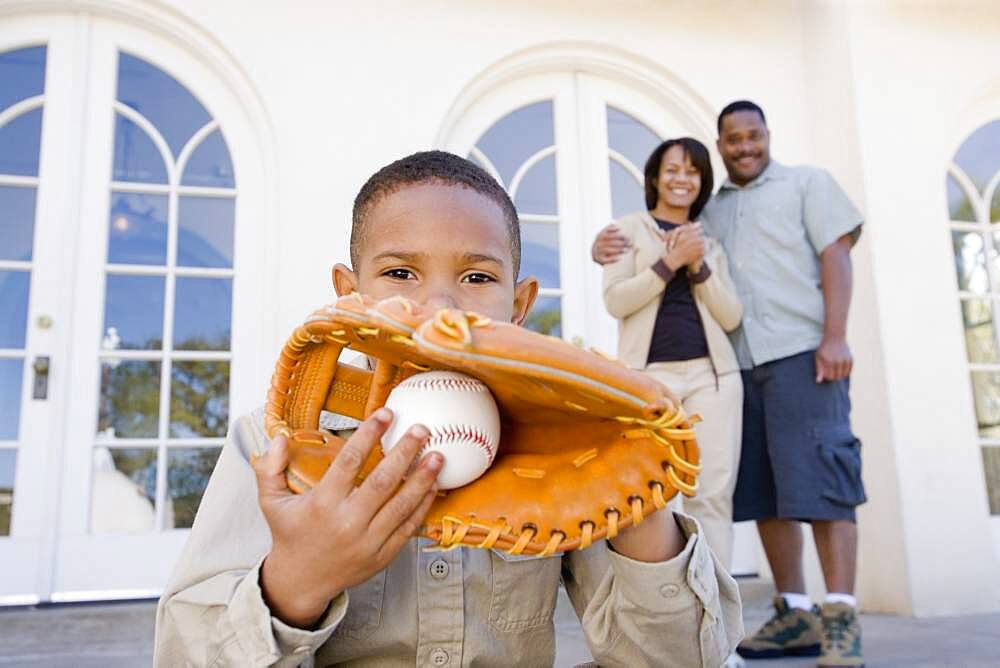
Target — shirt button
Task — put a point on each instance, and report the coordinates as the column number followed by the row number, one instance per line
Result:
column 669, row 590
column 439, row 657
column 439, row 569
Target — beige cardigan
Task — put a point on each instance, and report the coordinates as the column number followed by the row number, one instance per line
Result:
column 633, row 291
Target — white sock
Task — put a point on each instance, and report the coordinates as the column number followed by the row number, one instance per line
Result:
column 834, row 597
column 800, row 601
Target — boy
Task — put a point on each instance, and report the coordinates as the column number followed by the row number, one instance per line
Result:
column 270, row 578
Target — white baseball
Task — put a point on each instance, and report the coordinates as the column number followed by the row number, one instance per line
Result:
column 461, row 415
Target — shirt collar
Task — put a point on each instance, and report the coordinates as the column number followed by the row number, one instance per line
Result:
column 773, row 170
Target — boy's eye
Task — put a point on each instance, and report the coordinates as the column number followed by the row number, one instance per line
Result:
column 399, row 274
column 478, row 277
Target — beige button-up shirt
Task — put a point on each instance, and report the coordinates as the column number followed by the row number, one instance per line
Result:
column 463, row 607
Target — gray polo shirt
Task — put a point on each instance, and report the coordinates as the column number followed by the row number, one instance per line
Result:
column 773, row 230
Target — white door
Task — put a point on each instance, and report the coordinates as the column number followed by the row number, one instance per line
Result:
column 122, row 278
column 571, row 148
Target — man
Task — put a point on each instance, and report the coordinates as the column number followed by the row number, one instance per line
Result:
column 788, row 232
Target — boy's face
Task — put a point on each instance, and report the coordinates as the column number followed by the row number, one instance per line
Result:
column 442, row 245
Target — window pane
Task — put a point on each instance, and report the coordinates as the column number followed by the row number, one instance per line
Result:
column 627, row 195
column 210, row 165
column 130, row 399
column 22, row 75
column 11, row 374
column 138, row 229
column 205, row 232
column 986, row 390
column 546, row 316
column 536, row 193
column 136, row 156
column 959, row 206
column 8, row 467
column 188, row 471
column 202, row 313
column 199, row 399
column 991, row 466
column 123, row 497
column 133, row 313
column 14, row 298
column 995, row 206
column 20, row 140
column 970, row 264
column 630, row 137
column 17, row 222
column 517, row 136
column 540, row 252
column 168, row 105
column 980, row 339
column 979, row 155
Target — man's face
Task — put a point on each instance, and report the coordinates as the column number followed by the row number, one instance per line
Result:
column 442, row 245
column 745, row 145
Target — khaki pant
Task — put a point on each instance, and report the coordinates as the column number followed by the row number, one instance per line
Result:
column 719, row 433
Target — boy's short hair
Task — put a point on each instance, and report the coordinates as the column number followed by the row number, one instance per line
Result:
column 432, row 167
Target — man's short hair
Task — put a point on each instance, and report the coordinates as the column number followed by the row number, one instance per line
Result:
column 740, row 105
column 432, row 167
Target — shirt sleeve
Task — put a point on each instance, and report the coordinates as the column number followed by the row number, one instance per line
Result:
column 827, row 212
column 213, row 611
column 685, row 611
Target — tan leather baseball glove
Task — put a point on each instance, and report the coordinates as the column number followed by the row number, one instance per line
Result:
column 587, row 446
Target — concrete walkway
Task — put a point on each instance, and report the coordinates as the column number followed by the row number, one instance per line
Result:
column 121, row 634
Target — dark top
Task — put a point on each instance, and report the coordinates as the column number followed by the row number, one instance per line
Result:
column 678, row 334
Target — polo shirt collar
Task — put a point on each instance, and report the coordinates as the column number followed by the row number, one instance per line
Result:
column 773, row 170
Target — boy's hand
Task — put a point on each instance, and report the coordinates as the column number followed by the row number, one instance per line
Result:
column 337, row 535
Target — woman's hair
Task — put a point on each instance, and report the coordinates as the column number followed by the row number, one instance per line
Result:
column 700, row 160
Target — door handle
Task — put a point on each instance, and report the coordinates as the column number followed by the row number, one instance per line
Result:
column 41, row 367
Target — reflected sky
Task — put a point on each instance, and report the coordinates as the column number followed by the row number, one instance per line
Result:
column 205, row 232
column 979, row 155
column 20, row 140
column 630, row 137
column 517, row 136
column 138, row 229
column 133, row 305
column 14, row 297
column 210, row 166
column 540, row 253
column 536, row 192
column 203, row 313
column 11, row 375
column 627, row 194
column 8, row 467
column 136, row 157
column 17, row 222
column 22, row 75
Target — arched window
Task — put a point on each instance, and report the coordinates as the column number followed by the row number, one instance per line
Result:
column 973, row 187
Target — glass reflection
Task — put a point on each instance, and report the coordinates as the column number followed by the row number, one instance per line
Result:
column 137, row 229
column 546, row 316
column 11, row 375
column 17, row 222
column 8, row 468
column 986, row 392
column 980, row 338
column 540, row 252
column 20, row 141
column 959, row 206
column 199, row 399
column 627, row 195
column 991, row 466
column 136, row 156
column 995, row 206
column 188, row 471
column 168, row 105
column 536, row 193
column 970, row 264
column 133, row 312
column 22, row 75
column 630, row 137
column 205, row 231
column 209, row 165
column 202, row 313
column 129, row 405
column 14, row 298
column 123, row 495
column 517, row 136
column 979, row 155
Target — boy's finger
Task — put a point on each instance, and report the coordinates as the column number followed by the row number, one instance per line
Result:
column 382, row 482
column 406, row 530
column 339, row 479
column 270, row 468
column 409, row 497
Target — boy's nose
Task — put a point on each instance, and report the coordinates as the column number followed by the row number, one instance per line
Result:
column 440, row 299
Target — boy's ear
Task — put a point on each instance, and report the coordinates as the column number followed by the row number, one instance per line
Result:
column 344, row 280
column 525, row 293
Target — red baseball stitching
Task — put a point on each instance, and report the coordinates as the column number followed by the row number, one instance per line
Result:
column 459, row 432
column 463, row 384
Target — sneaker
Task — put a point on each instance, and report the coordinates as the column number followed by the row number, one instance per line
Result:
column 841, row 637
column 791, row 632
